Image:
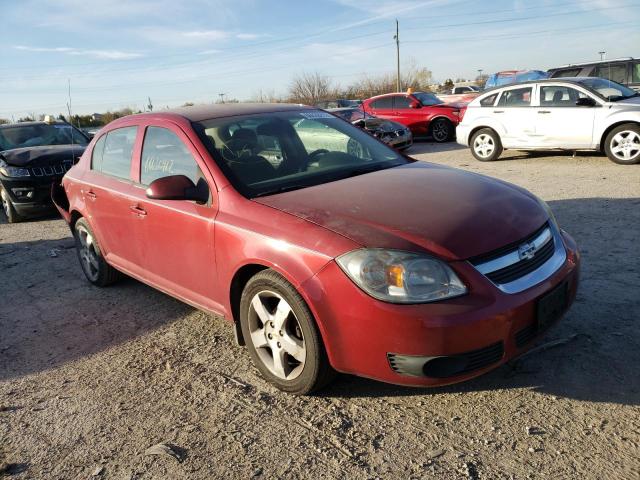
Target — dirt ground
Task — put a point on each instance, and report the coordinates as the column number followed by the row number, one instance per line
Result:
column 91, row 378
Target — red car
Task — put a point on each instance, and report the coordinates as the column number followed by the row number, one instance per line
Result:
column 326, row 249
column 424, row 113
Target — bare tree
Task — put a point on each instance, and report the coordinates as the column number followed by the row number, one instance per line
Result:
column 311, row 88
column 266, row 96
column 481, row 80
column 414, row 77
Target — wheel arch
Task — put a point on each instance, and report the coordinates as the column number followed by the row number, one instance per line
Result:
column 482, row 127
column 608, row 130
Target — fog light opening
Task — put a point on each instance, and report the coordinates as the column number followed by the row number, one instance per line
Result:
column 23, row 193
column 442, row 367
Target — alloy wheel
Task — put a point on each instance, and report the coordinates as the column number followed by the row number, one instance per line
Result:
column 625, row 145
column 484, row 145
column 88, row 254
column 440, row 131
column 276, row 335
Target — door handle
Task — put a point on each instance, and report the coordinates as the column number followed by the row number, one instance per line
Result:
column 544, row 111
column 91, row 195
column 498, row 111
column 138, row 210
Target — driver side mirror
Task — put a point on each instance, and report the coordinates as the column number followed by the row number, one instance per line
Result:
column 178, row 187
column 415, row 104
column 585, row 102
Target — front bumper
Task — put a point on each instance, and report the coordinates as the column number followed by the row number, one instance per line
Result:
column 360, row 333
column 29, row 196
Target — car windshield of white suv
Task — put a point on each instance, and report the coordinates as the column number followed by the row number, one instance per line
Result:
column 608, row 90
column 427, row 99
column 264, row 154
column 38, row 135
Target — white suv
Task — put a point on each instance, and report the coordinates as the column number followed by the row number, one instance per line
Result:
column 566, row 114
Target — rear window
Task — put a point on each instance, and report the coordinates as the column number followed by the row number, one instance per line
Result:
column 489, row 101
column 112, row 152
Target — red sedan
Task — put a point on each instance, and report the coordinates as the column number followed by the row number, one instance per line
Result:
column 325, row 249
column 424, row 113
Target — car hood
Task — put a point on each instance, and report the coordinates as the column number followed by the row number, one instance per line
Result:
column 42, row 156
column 448, row 212
column 383, row 125
column 633, row 101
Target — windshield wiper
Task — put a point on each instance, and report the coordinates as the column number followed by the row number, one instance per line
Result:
column 284, row 188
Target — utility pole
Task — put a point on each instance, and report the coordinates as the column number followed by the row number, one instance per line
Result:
column 397, row 39
column 602, row 54
column 221, row 95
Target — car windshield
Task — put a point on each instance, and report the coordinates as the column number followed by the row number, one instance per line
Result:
column 37, row 135
column 607, row 89
column 427, row 99
column 264, row 154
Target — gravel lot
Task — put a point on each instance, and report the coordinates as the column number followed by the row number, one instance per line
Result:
column 90, row 378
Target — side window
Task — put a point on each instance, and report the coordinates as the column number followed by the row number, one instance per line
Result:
column 635, row 75
column 118, row 149
column 96, row 154
column 383, row 103
column 164, row 154
column 568, row 72
column 559, row 96
column 401, row 102
column 518, row 97
column 616, row 73
column 488, row 101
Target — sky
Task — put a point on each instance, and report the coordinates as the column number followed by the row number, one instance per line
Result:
column 118, row 53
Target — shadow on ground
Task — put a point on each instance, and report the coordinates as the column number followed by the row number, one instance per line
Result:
column 52, row 315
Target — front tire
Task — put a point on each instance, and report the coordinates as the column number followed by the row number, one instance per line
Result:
column 441, row 130
column 281, row 335
column 486, row 145
column 93, row 264
column 8, row 208
column 622, row 145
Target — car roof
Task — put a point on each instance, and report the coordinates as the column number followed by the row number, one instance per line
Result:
column 30, row 124
column 397, row 93
column 573, row 80
column 198, row 113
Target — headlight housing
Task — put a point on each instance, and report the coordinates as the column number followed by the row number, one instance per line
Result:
column 397, row 276
column 13, row 172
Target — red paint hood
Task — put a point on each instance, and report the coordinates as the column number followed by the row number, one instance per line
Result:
column 419, row 206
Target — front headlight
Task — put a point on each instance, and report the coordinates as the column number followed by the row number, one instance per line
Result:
column 401, row 277
column 13, row 172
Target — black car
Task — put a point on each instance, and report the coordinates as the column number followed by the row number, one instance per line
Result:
column 393, row 134
column 33, row 155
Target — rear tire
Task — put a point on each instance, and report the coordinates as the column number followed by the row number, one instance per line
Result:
column 282, row 336
column 93, row 264
column 485, row 145
column 441, row 130
column 622, row 145
column 8, row 208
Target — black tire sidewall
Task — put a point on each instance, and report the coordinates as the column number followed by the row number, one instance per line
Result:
column 106, row 273
column 449, row 126
column 496, row 140
column 12, row 215
column 613, row 133
column 311, row 376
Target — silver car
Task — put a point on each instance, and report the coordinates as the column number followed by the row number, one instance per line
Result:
column 564, row 114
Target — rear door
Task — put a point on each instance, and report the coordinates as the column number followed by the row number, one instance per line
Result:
column 414, row 118
column 513, row 111
column 178, row 235
column 560, row 123
column 382, row 107
column 107, row 190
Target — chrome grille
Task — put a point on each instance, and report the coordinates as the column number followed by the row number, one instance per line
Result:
column 516, row 267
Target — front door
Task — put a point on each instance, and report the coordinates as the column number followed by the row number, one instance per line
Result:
column 178, row 252
column 560, row 123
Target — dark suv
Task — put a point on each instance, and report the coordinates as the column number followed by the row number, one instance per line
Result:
column 625, row 71
column 33, row 155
